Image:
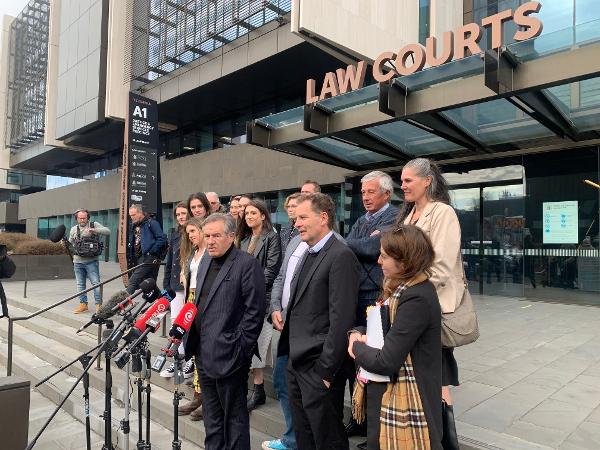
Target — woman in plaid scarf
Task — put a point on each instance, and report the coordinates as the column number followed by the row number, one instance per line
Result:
column 404, row 411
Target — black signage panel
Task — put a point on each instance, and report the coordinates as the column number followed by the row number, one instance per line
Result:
column 143, row 167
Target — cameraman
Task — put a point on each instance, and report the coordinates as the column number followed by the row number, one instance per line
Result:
column 86, row 246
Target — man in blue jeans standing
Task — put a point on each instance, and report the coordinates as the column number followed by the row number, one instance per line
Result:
column 86, row 267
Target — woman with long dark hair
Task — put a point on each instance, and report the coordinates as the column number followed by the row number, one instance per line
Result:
column 172, row 279
column 427, row 206
column 255, row 235
column 198, row 205
column 400, row 379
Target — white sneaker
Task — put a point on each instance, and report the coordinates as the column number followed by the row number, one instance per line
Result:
column 188, row 369
column 169, row 372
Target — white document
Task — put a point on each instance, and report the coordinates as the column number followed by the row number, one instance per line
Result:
column 375, row 340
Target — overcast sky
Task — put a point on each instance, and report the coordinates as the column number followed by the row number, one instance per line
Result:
column 11, row 7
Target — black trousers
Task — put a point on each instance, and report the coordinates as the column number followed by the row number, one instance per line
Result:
column 374, row 396
column 317, row 412
column 226, row 420
column 141, row 273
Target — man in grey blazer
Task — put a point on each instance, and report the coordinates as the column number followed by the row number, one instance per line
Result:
column 364, row 240
column 321, row 310
column 230, row 297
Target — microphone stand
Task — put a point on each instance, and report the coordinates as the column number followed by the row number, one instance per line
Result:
column 177, row 359
column 147, row 373
column 125, row 421
column 117, row 332
column 143, row 373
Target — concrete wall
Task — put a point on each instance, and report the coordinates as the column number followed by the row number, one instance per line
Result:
column 4, row 64
column 81, row 79
column 365, row 28
column 254, row 46
column 362, row 28
column 117, row 87
column 239, row 169
column 9, row 213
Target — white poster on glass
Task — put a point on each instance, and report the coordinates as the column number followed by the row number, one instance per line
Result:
column 560, row 222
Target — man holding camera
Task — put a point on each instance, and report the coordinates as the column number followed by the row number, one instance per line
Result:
column 86, row 246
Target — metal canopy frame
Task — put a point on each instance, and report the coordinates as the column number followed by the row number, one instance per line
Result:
column 169, row 34
column 506, row 77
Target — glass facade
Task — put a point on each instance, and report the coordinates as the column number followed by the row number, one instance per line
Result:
column 424, row 19
column 529, row 224
column 110, row 218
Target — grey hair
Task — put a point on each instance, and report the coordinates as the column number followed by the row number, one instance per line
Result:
column 138, row 207
column 385, row 181
column 212, row 193
column 227, row 220
column 437, row 191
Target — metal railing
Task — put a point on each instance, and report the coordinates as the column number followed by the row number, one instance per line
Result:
column 12, row 320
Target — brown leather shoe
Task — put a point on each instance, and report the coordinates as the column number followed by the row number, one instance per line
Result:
column 98, row 306
column 188, row 408
column 83, row 307
column 197, row 414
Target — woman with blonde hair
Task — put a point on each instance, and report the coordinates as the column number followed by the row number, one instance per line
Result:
column 399, row 382
column 192, row 251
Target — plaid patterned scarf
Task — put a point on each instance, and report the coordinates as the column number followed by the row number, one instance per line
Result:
column 403, row 425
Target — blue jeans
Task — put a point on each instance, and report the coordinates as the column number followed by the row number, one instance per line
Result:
column 281, row 389
column 89, row 270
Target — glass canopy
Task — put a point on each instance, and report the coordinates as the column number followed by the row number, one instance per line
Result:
column 361, row 129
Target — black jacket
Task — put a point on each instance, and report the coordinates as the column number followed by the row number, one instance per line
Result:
column 321, row 311
column 232, row 316
column 268, row 254
column 416, row 330
column 172, row 268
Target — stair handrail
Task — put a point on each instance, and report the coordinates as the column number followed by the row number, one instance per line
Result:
column 11, row 320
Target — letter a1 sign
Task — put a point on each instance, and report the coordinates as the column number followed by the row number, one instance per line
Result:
column 142, row 155
column 140, row 176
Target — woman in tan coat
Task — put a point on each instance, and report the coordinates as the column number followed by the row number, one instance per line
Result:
column 427, row 205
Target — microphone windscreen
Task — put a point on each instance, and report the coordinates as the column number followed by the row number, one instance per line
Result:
column 159, row 306
column 150, row 290
column 106, row 309
column 184, row 319
column 58, row 233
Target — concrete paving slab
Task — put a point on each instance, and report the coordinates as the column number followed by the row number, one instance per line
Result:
column 535, row 433
column 587, row 436
column 579, row 394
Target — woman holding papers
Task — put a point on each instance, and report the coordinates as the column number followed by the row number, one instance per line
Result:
column 400, row 359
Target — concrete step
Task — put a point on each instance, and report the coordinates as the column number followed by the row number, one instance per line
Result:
column 61, row 324
column 35, row 369
column 50, row 342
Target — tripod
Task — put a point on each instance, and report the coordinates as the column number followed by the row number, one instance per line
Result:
column 107, row 347
column 85, row 359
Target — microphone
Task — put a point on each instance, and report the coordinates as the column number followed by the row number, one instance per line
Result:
column 150, row 290
column 148, row 323
column 181, row 326
column 107, row 310
column 58, row 233
column 126, row 301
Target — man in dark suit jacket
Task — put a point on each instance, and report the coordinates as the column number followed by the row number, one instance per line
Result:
column 321, row 310
column 231, row 302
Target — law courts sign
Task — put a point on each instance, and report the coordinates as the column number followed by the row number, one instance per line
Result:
column 411, row 58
